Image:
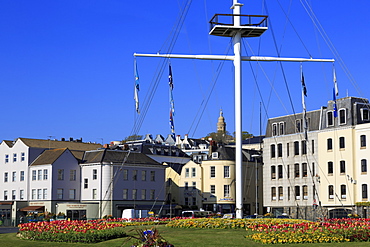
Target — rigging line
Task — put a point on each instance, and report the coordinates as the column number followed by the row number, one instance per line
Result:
column 330, row 45
column 294, row 29
column 205, row 101
column 160, row 68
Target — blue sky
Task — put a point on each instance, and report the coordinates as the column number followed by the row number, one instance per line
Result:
column 66, row 67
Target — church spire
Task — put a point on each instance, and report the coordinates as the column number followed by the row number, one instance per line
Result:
column 221, row 124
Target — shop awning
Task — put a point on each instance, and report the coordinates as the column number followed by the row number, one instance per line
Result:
column 33, row 208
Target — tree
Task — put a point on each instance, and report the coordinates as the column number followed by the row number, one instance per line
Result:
column 132, row 138
column 220, row 136
column 245, row 135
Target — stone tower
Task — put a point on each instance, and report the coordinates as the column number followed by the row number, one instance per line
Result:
column 221, row 125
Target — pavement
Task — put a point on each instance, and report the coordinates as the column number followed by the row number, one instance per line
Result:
column 5, row 229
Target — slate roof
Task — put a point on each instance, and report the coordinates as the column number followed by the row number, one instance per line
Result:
column 71, row 145
column 228, row 153
column 48, row 156
column 117, row 156
column 9, row 143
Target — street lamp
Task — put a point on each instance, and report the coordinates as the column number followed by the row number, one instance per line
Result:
column 255, row 156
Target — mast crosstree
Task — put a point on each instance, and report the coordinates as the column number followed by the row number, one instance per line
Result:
column 255, row 26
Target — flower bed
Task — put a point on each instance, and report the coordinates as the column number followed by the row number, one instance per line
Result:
column 328, row 231
column 81, row 230
column 71, row 231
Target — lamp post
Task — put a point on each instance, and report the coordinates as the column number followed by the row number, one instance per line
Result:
column 255, row 156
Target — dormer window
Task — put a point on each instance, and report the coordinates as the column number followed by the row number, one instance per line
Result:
column 365, row 114
column 274, row 129
column 214, row 155
column 342, row 116
column 281, row 128
column 330, row 120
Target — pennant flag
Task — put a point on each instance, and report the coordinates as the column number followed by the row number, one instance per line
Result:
column 335, row 82
column 335, row 103
column 304, row 94
column 170, row 83
column 172, row 125
column 136, row 89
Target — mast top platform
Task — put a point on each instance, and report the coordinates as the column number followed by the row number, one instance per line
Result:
column 250, row 25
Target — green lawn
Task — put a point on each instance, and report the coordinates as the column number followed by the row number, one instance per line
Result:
column 179, row 237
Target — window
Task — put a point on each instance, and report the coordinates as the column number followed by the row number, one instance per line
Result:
column 33, row 194
column 194, row 185
column 21, row 194
column 363, row 141
column 143, row 175
column 364, row 166
column 365, row 114
column 213, row 172
column 273, row 193
column 152, row 175
column 134, row 194
column 95, row 174
column 331, row 191
column 22, row 176
column 288, row 193
column 273, row 172
column 59, row 194
column 280, row 191
column 23, row 156
column 213, row 189
column 152, row 194
column 14, row 176
column 272, row 150
column 304, row 170
column 296, row 170
column 125, row 194
column 86, row 183
column 288, row 171
column 226, row 171
column 343, row 191
column 330, row 168
column 14, row 157
column 305, row 192
column 287, row 149
column 280, row 171
column 125, row 174
column 5, row 177
column 342, row 167
column 342, row 116
column 298, row 125
column 313, row 146
column 329, row 144
column 341, row 142
column 194, row 199
column 39, row 174
column 45, row 174
column 274, row 129
column 60, row 174
column 282, row 128
column 226, row 190
column 45, row 194
column 296, row 148
column 304, row 147
column 72, row 194
column 5, row 195
column 39, row 194
column 297, row 192
column 134, row 175
column 280, row 150
column 6, row 158
column 72, row 175
column 94, row 194
column 186, row 172
column 313, row 169
column 143, row 194
column 186, row 200
column 186, row 185
column 193, row 172
column 13, row 194
column 364, row 191
column 330, row 118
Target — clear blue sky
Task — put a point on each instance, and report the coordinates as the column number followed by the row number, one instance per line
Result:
column 66, row 67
